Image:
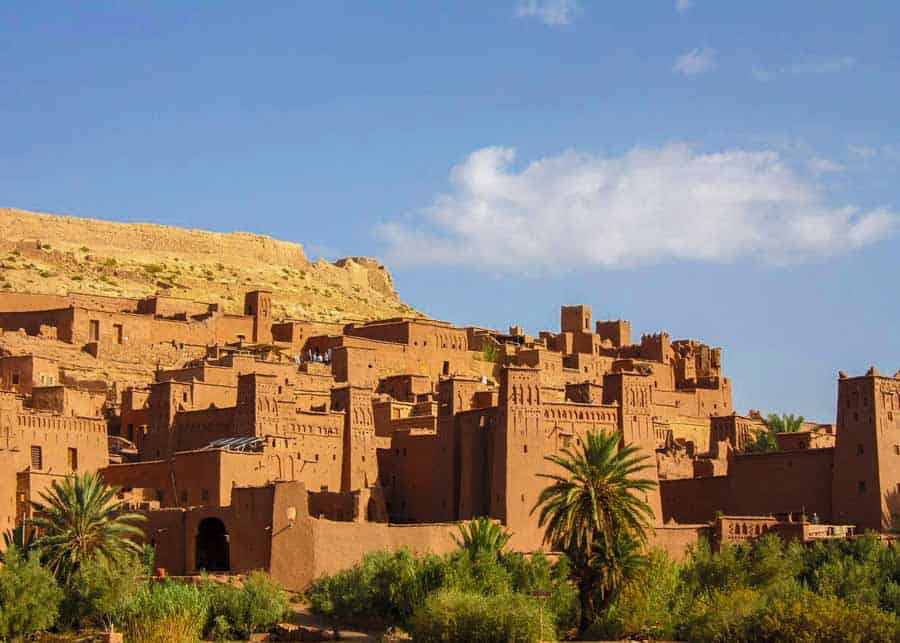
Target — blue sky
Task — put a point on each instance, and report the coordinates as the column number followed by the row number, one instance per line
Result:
column 721, row 170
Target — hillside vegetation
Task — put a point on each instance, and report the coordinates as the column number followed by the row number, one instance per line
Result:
column 56, row 254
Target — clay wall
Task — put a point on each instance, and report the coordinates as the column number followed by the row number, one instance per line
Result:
column 68, row 401
column 21, row 302
column 756, row 484
column 172, row 307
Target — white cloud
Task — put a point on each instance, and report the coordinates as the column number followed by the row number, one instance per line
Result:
column 862, row 152
column 554, row 13
column 885, row 153
column 809, row 66
column 695, row 61
column 649, row 206
column 824, row 166
column 683, row 6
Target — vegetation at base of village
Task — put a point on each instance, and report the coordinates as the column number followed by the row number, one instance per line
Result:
column 606, row 585
column 480, row 592
column 84, row 571
column 840, row 590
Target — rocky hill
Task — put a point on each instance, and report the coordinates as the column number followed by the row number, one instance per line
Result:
column 55, row 254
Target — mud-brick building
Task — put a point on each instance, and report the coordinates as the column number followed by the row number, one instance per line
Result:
column 38, row 446
column 854, row 482
column 114, row 325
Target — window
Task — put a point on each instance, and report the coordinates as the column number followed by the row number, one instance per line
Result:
column 37, row 458
column 15, row 378
column 524, row 448
column 94, row 330
column 861, row 486
column 859, row 449
column 73, row 459
column 118, row 333
column 896, row 449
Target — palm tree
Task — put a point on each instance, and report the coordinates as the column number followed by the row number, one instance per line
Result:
column 784, row 423
column 19, row 537
column 80, row 518
column 766, row 441
column 594, row 501
column 482, row 535
column 614, row 565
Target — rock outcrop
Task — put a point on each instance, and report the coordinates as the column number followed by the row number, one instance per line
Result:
column 54, row 254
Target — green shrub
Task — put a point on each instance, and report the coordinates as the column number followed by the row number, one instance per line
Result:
column 452, row 615
column 165, row 612
column 29, row 596
column 648, row 606
column 257, row 606
column 99, row 592
column 384, row 585
column 723, row 616
column 822, row 618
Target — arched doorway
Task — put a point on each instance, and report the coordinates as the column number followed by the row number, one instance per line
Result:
column 212, row 546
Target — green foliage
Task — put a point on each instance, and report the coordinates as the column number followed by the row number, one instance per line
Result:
column 165, row 612
column 454, row 615
column 29, row 596
column 490, row 352
column 816, row 618
column 20, row 538
column 722, row 616
column 79, row 518
column 393, row 586
column 385, row 585
column 100, row 590
column 784, row 423
column 482, row 535
column 842, row 590
column 148, row 559
column 256, row 606
column 647, row 606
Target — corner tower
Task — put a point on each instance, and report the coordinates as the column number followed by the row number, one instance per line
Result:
column 866, row 479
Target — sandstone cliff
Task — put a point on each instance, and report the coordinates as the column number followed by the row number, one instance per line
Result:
column 56, row 254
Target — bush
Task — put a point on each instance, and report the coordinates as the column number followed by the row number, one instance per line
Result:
column 452, row 615
column 384, row 585
column 257, row 606
column 723, row 616
column 29, row 596
column 165, row 612
column 648, row 606
column 822, row 618
column 100, row 591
